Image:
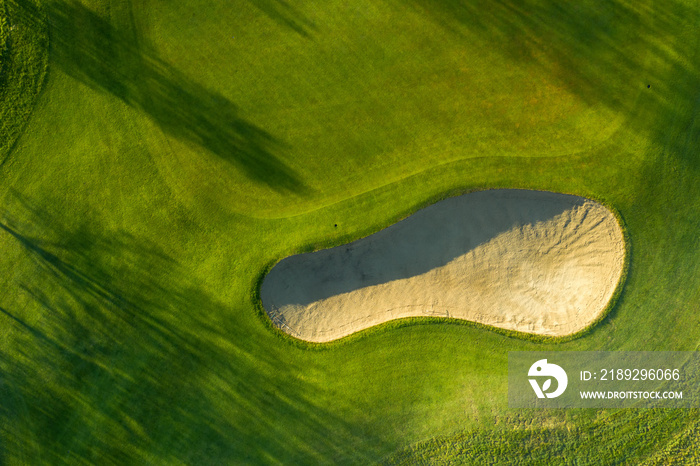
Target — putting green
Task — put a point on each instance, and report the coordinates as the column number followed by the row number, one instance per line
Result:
column 529, row 261
column 178, row 148
column 398, row 94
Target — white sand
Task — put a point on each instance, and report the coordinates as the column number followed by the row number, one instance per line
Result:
column 530, row 261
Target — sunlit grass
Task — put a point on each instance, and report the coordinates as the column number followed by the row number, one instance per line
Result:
column 179, row 148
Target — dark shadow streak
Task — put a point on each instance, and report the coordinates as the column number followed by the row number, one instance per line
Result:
column 285, row 14
column 36, row 333
column 91, row 50
column 605, row 53
column 117, row 356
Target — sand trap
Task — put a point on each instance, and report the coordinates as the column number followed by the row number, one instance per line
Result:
column 530, row 261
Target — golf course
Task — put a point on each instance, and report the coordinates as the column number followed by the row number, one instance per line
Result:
column 527, row 261
column 180, row 178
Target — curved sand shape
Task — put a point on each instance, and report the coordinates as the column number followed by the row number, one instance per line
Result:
column 530, row 261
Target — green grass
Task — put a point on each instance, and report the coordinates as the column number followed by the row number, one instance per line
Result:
column 23, row 64
column 177, row 149
column 567, row 443
column 4, row 31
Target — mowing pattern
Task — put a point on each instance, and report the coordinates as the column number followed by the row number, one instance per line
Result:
column 180, row 147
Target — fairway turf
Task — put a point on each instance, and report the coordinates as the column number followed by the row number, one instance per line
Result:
column 178, row 149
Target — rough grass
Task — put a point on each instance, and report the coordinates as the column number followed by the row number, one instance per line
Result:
column 608, row 441
column 23, row 65
column 178, row 148
column 4, row 30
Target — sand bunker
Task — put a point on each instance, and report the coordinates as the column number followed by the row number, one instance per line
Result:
column 530, row 261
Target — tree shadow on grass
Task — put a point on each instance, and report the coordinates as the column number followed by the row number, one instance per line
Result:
column 641, row 60
column 93, row 51
column 285, row 14
column 603, row 53
column 113, row 355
